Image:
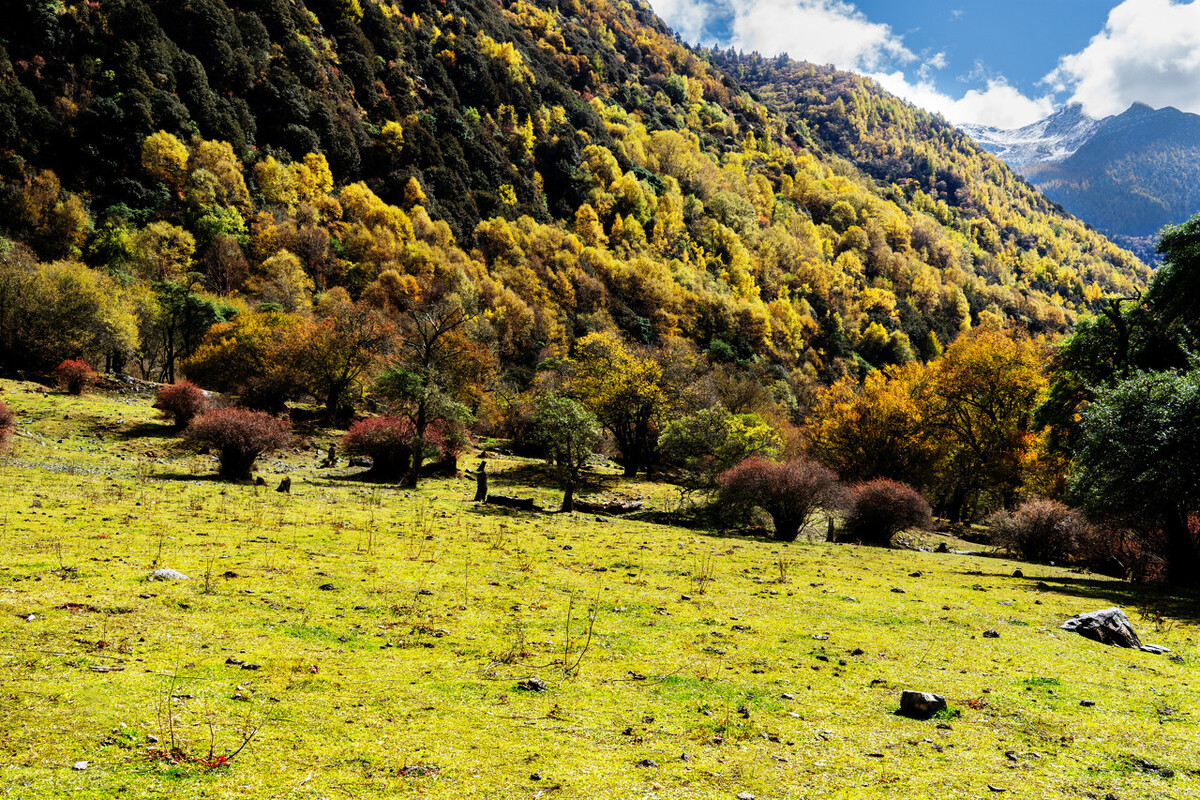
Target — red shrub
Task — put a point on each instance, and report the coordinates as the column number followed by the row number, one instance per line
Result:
column 240, row 436
column 390, row 442
column 8, row 424
column 791, row 492
column 1042, row 531
column 387, row 440
column 882, row 508
column 75, row 376
column 181, row 401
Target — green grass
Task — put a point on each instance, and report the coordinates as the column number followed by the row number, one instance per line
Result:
column 401, row 681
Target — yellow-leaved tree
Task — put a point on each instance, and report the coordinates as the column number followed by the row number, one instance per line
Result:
column 625, row 391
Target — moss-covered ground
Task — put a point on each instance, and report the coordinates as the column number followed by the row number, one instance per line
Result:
column 390, row 629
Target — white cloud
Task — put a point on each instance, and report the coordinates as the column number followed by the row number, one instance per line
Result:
column 686, row 17
column 836, row 32
column 1149, row 52
column 999, row 105
column 820, row 31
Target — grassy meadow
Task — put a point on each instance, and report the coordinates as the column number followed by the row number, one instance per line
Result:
column 357, row 640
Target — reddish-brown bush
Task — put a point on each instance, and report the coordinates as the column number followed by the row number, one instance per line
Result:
column 791, row 492
column 239, row 436
column 881, row 508
column 181, row 402
column 390, row 442
column 387, row 440
column 75, row 376
column 8, row 424
column 1042, row 531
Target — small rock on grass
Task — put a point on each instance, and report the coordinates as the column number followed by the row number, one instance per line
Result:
column 920, row 705
column 79, row 766
column 991, row 634
column 166, row 574
column 532, row 685
column 647, row 762
column 745, row 796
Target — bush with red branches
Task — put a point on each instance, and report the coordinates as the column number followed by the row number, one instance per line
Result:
column 791, row 492
column 391, row 441
column 388, row 441
column 181, row 402
column 240, row 437
column 8, row 425
column 1042, row 531
column 881, row 508
column 75, row 376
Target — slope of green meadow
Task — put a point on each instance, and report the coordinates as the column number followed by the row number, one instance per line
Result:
column 716, row 665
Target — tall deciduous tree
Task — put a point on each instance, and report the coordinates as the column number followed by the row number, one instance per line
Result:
column 339, row 350
column 980, row 398
column 1138, row 448
column 433, row 369
column 569, row 433
column 625, row 392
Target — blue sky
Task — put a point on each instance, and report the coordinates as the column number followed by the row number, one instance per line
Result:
column 1005, row 63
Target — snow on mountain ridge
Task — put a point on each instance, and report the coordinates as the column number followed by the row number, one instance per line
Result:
column 1054, row 138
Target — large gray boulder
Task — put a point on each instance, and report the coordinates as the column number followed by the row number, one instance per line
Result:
column 1109, row 626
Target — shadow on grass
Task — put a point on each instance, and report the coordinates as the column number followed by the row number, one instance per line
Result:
column 538, row 475
column 188, row 477
column 1151, row 601
column 142, row 430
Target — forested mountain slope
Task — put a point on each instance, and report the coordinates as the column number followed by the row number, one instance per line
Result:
column 568, row 166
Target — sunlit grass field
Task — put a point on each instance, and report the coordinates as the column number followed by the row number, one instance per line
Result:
column 356, row 640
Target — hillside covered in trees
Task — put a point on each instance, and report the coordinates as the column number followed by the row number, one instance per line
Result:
column 570, row 167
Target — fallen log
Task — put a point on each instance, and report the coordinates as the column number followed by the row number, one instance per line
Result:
column 612, row 508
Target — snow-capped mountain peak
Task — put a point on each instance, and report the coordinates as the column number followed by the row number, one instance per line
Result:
column 1052, row 139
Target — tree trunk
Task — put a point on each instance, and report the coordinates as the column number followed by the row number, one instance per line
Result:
column 1183, row 562
column 568, row 503
column 481, row 483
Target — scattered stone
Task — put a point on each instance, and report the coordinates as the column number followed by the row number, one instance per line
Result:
column 745, row 796
column 787, row 696
column 234, row 662
column 1087, row 703
column 532, row 685
column 327, row 587
column 1042, row 586
column 533, row 776
column 996, row 788
column 79, row 766
column 1109, row 626
column 914, row 574
column 991, row 634
column 362, row 461
column 920, row 705
column 648, row 763
column 685, row 597
column 858, row 651
column 897, row 590
column 229, row 574
column 942, row 548
column 165, row 574
column 253, row 667
column 260, row 481
column 1018, row 574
